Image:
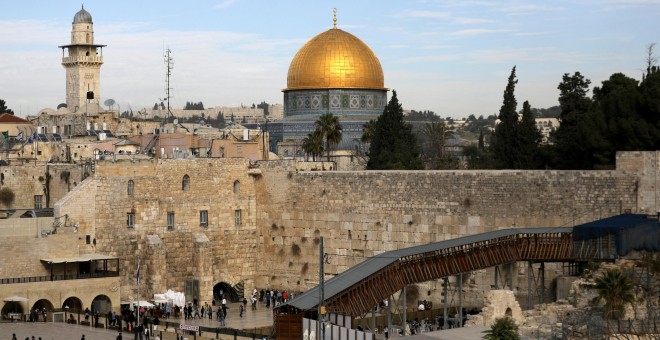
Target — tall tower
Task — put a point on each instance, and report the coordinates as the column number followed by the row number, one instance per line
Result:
column 82, row 60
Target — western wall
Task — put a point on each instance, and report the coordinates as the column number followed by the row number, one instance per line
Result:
column 283, row 212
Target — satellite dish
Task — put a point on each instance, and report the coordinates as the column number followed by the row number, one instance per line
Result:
column 61, row 106
column 109, row 102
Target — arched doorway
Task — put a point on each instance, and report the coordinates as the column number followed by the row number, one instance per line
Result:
column 42, row 309
column 12, row 307
column 72, row 304
column 101, row 304
column 224, row 288
column 509, row 312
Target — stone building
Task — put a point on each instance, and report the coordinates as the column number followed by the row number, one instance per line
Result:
column 82, row 59
column 334, row 72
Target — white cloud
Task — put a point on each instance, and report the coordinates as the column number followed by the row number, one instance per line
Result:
column 225, row 4
column 477, row 31
column 442, row 15
column 428, row 58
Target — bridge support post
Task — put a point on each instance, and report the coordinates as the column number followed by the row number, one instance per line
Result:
column 460, row 300
column 529, row 284
column 389, row 315
column 542, row 270
column 511, row 269
column 373, row 319
column 497, row 277
column 404, row 321
column 445, row 283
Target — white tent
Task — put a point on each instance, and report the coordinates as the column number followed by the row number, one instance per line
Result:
column 176, row 298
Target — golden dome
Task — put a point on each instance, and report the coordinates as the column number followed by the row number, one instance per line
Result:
column 335, row 59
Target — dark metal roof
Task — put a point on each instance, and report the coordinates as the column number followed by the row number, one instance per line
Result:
column 82, row 17
column 629, row 232
column 368, row 267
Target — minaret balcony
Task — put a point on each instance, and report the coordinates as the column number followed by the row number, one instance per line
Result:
column 82, row 59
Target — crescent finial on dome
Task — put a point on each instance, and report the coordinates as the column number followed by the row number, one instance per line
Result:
column 334, row 19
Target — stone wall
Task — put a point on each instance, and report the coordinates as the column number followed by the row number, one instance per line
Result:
column 22, row 254
column 219, row 252
column 284, row 212
column 361, row 214
column 52, row 181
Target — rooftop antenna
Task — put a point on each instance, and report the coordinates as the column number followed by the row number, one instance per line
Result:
column 169, row 63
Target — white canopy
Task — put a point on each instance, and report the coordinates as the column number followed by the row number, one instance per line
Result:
column 143, row 303
column 15, row 298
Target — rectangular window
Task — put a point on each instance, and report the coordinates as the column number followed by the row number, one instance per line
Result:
column 237, row 216
column 239, row 149
column 130, row 220
column 38, row 201
column 204, row 218
column 170, row 220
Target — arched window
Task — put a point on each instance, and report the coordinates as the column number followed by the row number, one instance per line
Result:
column 131, row 186
column 237, row 187
column 185, row 184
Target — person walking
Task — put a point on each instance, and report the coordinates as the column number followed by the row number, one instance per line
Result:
column 221, row 318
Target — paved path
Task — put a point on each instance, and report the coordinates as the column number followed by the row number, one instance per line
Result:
column 262, row 317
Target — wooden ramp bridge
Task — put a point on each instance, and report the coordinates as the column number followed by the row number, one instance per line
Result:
column 365, row 285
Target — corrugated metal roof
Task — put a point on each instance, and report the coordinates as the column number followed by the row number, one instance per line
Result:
column 366, row 268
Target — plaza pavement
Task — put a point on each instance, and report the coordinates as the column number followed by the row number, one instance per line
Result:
column 262, row 317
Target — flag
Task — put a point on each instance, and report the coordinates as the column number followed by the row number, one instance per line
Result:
column 5, row 134
column 32, row 137
column 20, row 136
column 137, row 275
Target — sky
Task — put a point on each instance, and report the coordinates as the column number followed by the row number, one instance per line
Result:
column 450, row 57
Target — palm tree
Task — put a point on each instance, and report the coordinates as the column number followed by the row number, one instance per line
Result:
column 313, row 144
column 437, row 133
column 502, row 329
column 368, row 131
column 616, row 288
column 329, row 127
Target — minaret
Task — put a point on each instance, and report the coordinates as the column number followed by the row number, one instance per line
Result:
column 82, row 60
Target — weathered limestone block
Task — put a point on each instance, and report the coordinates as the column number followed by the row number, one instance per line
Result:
column 498, row 304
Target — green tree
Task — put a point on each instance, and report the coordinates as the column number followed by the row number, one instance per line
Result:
column 576, row 135
column 330, row 129
column 394, row 146
column 529, row 138
column 505, row 144
column 616, row 289
column 313, row 144
column 4, row 108
column 220, row 120
column 502, row 329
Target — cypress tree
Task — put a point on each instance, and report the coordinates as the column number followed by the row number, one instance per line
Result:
column 394, row 146
column 504, row 146
column 529, row 137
